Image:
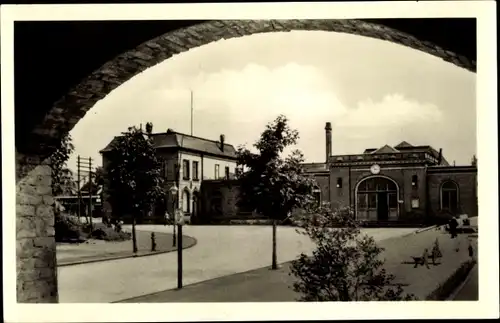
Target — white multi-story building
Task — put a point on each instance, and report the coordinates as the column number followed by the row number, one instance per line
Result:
column 187, row 161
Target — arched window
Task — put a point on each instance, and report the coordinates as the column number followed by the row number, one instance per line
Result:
column 449, row 196
column 186, row 201
column 196, row 201
column 376, row 199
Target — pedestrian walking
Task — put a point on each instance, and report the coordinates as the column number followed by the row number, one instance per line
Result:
column 453, row 227
column 425, row 258
column 471, row 250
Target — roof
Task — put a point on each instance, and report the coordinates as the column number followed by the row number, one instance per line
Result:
column 385, row 149
column 173, row 139
column 403, row 144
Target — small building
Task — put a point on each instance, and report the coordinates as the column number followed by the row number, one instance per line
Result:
column 186, row 162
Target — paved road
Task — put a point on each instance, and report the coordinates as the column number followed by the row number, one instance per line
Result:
column 220, row 251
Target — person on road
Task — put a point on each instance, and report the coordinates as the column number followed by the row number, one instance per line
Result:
column 471, row 250
column 453, row 227
column 425, row 258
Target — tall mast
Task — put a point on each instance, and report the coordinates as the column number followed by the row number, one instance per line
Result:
column 191, row 112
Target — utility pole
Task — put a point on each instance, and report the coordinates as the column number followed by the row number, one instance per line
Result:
column 90, row 192
column 78, row 192
column 85, row 166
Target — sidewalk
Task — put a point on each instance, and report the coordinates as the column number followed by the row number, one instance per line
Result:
column 99, row 250
column 264, row 285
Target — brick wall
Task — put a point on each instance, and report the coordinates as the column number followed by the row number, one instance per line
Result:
column 35, row 241
column 403, row 178
column 467, row 188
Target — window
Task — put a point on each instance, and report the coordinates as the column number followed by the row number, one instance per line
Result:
column 362, row 201
column 372, row 200
column 163, row 170
column 226, row 170
column 216, row 171
column 393, row 200
column 339, row 182
column 186, row 202
column 414, row 181
column 185, row 169
column 449, row 196
column 195, row 171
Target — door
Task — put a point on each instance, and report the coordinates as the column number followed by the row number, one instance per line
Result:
column 382, row 206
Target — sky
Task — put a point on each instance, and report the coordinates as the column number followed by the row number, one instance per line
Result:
column 373, row 92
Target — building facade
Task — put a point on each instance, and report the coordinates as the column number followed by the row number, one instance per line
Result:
column 187, row 161
column 404, row 184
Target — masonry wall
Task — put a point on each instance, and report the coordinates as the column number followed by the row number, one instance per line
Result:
column 219, row 201
column 35, row 235
column 467, row 187
column 401, row 175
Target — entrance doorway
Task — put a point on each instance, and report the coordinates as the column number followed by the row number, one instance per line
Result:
column 382, row 206
column 376, row 199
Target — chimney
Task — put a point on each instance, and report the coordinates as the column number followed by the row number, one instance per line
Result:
column 328, row 134
column 222, row 138
column 440, row 158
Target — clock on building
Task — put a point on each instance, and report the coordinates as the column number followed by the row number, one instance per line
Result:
column 375, row 169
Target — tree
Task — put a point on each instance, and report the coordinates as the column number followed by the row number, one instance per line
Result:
column 345, row 266
column 269, row 184
column 135, row 184
column 61, row 176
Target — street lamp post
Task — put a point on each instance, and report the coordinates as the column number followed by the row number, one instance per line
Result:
column 174, row 191
column 179, row 251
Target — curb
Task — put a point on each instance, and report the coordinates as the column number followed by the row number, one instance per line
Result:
column 426, row 229
column 195, row 242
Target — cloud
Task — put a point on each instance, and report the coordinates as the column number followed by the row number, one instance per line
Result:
column 394, row 110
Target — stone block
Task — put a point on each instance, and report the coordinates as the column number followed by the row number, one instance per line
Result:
column 25, row 188
column 44, row 211
column 25, row 210
column 27, row 199
column 44, row 242
column 48, row 199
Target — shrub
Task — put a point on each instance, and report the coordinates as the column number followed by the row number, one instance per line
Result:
column 67, row 228
column 101, row 231
column 345, row 266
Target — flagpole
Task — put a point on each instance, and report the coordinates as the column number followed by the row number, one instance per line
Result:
column 191, row 112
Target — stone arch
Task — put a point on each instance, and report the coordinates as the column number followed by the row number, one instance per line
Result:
column 34, row 214
column 392, row 192
column 67, row 111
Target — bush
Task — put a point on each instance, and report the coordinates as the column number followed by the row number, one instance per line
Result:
column 345, row 266
column 67, row 228
column 101, row 231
